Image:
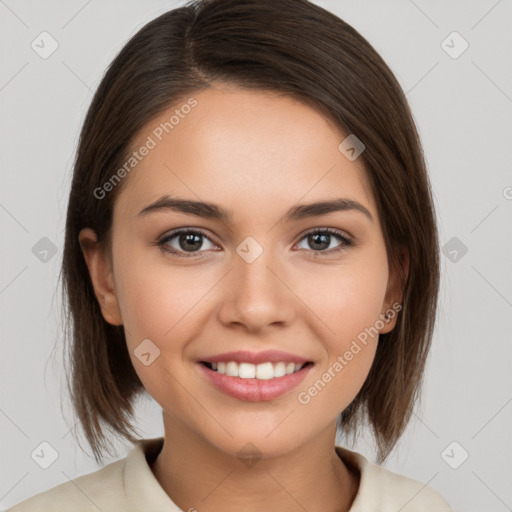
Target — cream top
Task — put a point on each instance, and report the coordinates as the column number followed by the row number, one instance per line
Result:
column 129, row 485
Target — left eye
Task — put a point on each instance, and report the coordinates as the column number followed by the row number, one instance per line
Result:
column 190, row 241
column 319, row 236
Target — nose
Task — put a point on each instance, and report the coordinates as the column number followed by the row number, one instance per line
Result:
column 256, row 294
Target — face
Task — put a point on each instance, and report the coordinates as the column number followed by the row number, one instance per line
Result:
column 255, row 280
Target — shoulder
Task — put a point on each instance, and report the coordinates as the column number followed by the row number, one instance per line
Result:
column 100, row 490
column 383, row 490
column 127, row 484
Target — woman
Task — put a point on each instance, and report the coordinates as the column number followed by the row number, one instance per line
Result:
column 250, row 240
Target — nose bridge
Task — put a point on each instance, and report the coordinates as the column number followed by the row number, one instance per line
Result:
column 255, row 267
column 257, row 295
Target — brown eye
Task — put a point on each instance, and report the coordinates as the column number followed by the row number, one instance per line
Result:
column 187, row 243
column 320, row 239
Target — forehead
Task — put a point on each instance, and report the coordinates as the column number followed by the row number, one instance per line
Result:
column 246, row 150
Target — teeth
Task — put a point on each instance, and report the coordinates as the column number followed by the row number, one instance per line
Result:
column 244, row 370
column 263, row 371
column 232, row 369
column 279, row 369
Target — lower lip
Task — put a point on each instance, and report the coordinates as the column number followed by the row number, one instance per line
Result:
column 255, row 390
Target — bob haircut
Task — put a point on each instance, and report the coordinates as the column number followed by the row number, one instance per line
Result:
column 296, row 49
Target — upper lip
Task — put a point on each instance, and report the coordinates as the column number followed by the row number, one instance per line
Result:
column 246, row 356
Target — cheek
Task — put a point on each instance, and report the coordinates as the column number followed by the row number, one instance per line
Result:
column 155, row 299
column 157, row 304
column 350, row 344
column 349, row 297
column 349, row 303
column 336, row 383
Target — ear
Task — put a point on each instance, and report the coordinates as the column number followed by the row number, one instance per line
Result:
column 394, row 293
column 100, row 271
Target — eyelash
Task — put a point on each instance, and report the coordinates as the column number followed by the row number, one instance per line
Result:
column 346, row 242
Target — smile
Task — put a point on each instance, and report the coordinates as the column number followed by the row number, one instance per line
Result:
column 263, row 371
column 254, row 382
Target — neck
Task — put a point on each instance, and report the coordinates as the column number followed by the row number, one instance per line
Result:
column 197, row 476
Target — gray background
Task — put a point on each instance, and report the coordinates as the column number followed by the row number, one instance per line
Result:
column 463, row 109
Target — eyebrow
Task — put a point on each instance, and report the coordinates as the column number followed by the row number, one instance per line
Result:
column 213, row 211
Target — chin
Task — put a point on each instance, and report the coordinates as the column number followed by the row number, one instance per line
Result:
column 256, row 443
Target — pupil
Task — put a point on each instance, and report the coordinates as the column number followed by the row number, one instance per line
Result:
column 324, row 237
column 189, row 239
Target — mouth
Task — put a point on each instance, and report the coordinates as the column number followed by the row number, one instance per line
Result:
column 254, row 382
column 262, row 371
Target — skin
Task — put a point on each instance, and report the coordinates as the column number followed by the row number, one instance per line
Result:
column 256, row 154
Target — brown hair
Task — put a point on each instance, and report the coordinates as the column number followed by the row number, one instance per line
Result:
column 294, row 48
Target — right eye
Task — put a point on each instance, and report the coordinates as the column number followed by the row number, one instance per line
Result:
column 185, row 239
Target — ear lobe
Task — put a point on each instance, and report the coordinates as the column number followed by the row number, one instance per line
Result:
column 101, row 276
